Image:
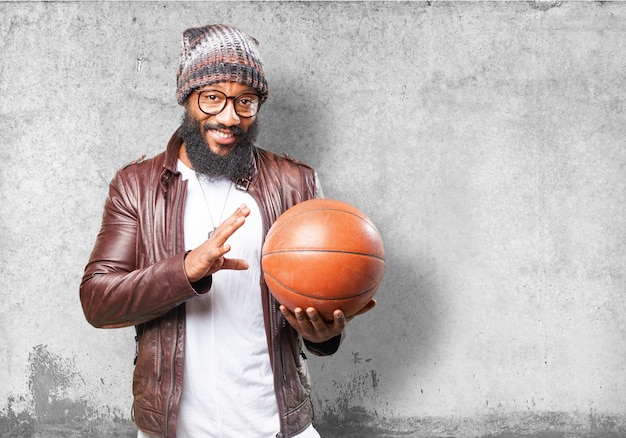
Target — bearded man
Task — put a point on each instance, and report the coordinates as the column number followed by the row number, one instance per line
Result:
column 178, row 257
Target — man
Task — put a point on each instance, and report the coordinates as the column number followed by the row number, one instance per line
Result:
column 178, row 257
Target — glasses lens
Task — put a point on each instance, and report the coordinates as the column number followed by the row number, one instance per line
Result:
column 213, row 102
column 247, row 105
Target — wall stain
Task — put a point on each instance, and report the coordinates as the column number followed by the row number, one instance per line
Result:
column 346, row 415
column 53, row 410
column 347, row 405
column 544, row 5
column 52, row 378
column 55, row 406
column 497, row 425
column 15, row 425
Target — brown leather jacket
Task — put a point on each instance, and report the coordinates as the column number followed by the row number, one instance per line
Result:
column 135, row 276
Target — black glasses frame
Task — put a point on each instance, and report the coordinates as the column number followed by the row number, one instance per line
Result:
column 234, row 98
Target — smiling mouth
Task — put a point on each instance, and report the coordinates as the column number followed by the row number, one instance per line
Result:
column 224, row 135
column 224, row 131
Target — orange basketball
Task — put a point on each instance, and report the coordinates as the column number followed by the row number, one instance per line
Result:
column 326, row 254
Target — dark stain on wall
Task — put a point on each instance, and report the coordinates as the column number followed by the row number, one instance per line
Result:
column 346, row 407
column 543, row 5
column 345, row 417
column 544, row 425
column 52, row 377
column 359, row 423
column 52, row 409
column 15, row 425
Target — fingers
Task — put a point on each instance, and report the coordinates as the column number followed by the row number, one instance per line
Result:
column 230, row 225
column 312, row 326
column 234, row 264
column 217, row 246
column 289, row 316
column 209, row 258
column 320, row 325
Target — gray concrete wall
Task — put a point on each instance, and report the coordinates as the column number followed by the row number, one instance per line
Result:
column 486, row 141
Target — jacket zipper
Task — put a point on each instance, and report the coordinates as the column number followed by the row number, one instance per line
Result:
column 270, row 302
column 280, row 350
column 274, row 320
column 172, row 378
column 178, row 212
column 160, row 364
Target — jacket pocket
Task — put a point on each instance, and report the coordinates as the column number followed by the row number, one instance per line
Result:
column 148, row 369
column 303, row 371
column 297, row 382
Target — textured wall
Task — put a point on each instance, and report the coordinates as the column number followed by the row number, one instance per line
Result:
column 486, row 141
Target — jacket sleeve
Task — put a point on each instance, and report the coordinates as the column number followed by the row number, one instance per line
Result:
column 325, row 348
column 115, row 291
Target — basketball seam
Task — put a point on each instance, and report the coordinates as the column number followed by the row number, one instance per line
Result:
column 340, row 251
column 364, row 219
column 318, row 297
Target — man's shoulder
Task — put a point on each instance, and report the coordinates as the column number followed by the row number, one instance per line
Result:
column 141, row 172
column 280, row 160
column 143, row 167
column 143, row 162
column 291, row 175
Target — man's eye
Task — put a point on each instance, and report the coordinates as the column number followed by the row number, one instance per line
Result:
column 247, row 100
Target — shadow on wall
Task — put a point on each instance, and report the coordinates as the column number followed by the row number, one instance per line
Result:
column 406, row 326
column 406, row 322
column 295, row 121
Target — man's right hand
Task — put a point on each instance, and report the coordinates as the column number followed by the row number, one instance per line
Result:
column 209, row 258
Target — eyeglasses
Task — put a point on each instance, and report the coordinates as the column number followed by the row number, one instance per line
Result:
column 213, row 102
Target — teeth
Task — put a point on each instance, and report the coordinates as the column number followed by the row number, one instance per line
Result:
column 224, row 134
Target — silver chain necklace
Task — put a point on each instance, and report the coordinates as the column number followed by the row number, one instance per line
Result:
column 209, row 209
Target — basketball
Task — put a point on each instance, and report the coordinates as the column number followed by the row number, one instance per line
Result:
column 326, row 254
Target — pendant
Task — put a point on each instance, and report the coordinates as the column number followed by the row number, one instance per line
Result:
column 211, row 233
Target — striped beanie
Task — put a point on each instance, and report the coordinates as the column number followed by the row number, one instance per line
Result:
column 219, row 53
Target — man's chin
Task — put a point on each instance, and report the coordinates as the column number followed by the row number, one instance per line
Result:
column 222, row 150
column 221, row 147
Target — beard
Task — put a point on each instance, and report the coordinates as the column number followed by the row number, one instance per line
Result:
column 235, row 165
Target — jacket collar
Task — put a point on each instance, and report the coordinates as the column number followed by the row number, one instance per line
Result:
column 172, row 152
column 171, row 161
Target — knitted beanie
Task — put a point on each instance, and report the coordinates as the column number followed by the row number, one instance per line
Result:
column 219, row 53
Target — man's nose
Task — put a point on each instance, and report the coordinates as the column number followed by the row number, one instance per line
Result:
column 228, row 116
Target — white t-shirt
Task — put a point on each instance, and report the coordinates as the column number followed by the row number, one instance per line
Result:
column 228, row 385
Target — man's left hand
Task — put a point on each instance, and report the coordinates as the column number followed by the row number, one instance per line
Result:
column 314, row 328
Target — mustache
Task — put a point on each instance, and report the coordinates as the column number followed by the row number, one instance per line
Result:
column 219, row 127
